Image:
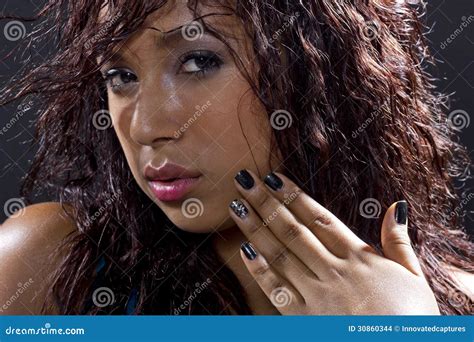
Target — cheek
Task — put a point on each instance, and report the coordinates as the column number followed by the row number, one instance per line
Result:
column 238, row 136
column 121, row 118
column 238, row 128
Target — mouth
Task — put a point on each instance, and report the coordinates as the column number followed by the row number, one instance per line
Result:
column 173, row 189
column 171, row 182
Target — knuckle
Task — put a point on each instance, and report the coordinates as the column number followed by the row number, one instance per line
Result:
column 281, row 257
column 262, row 270
column 292, row 194
column 292, row 231
column 338, row 272
column 398, row 239
column 361, row 256
column 320, row 220
column 254, row 228
column 261, row 198
column 276, row 283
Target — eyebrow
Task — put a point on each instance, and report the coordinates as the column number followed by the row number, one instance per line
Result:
column 166, row 37
column 163, row 39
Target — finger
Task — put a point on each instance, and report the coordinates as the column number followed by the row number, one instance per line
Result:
column 281, row 293
column 395, row 240
column 334, row 234
column 292, row 233
column 279, row 257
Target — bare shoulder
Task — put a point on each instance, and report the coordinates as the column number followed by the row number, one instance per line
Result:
column 26, row 241
column 464, row 279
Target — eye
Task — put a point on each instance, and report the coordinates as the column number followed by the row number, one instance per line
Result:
column 118, row 79
column 200, row 62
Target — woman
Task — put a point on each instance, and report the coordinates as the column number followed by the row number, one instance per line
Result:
column 236, row 157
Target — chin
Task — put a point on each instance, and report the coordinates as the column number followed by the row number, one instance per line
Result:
column 206, row 223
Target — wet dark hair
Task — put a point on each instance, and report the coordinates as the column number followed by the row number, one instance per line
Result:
column 367, row 123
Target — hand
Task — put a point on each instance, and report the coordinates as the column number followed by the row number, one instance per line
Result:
column 308, row 262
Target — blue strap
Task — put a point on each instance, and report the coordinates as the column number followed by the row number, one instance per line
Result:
column 132, row 302
column 133, row 297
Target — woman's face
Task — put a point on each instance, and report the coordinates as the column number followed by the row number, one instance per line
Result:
column 179, row 98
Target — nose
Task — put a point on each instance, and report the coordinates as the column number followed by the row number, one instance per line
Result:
column 155, row 117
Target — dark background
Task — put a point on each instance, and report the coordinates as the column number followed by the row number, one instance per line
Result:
column 455, row 71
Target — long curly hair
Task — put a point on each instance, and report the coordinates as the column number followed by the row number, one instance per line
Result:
column 366, row 124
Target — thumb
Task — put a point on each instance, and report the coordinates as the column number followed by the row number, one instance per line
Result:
column 396, row 243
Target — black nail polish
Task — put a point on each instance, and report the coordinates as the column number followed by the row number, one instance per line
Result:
column 245, row 179
column 248, row 250
column 273, row 181
column 401, row 212
column 239, row 208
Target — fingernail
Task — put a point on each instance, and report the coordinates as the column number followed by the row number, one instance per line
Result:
column 248, row 250
column 401, row 212
column 273, row 181
column 245, row 179
column 239, row 208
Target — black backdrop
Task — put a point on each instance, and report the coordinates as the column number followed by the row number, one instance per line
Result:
column 452, row 42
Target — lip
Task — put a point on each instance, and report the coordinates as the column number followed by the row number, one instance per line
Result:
column 170, row 182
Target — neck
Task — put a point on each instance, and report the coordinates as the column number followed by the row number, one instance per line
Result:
column 227, row 245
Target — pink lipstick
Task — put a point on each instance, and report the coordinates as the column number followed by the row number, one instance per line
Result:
column 170, row 182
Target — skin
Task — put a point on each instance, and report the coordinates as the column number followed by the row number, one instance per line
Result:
column 320, row 267
column 147, row 113
column 319, row 263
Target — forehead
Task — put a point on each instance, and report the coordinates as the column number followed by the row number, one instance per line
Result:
column 177, row 13
column 170, row 22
